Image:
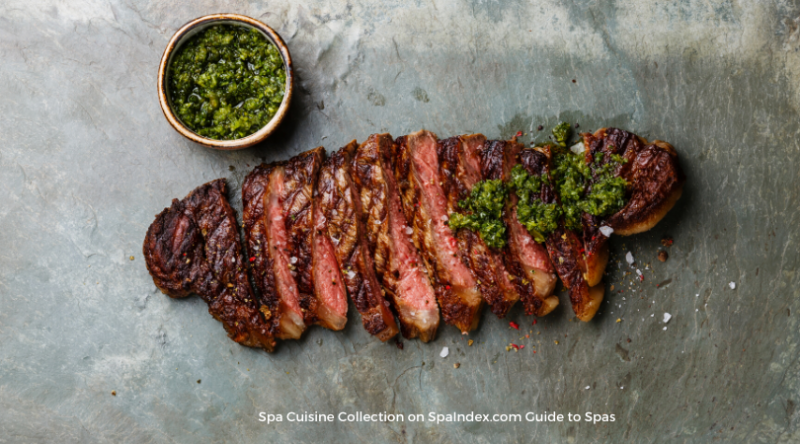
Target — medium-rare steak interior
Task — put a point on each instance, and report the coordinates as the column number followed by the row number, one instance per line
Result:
column 460, row 173
column 420, row 183
column 278, row 226
column 193, row 247
column 340, row 238
column 526, row 260
column 396, row 259
column 413, row 227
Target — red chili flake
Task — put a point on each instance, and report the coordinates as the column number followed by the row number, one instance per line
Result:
column 514, row 325
column 641, row 278
column 253, row 259
column 446, row 287
column 184, row 254
column 535, row 321
column 534, row 352
column 516, row 347
column 519, row 134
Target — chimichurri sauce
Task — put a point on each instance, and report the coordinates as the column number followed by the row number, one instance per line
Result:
column 226, row 82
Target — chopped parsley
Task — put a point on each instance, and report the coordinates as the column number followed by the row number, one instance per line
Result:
column 226, row 82
column 484, row 212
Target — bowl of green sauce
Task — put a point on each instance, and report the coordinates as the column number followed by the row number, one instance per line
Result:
column 225, row 81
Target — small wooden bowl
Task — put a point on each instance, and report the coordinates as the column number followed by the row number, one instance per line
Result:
column 192, row 28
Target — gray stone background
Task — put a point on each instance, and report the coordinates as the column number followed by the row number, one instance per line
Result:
column 87, row 159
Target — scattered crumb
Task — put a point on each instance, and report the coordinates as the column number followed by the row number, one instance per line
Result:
column 198, row 381
column 470, row 342
column 131, row 257
column 556, row 342
column 612, row 287
column 399, row 344
column 445, row 351
column 113, row 393
column 457, row 365
column 663, row 256
column 667, row 241
column 619, row 320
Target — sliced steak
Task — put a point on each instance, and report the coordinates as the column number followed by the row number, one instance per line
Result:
column 564, row 246
column 341, row 249
column 460, row 166
column 396, row 259
column 193, row 247
column 526, row 260
column 425, row 204
column 278, row 224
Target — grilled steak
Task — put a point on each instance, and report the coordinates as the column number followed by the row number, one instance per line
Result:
column 655, row 182
column 460, row 166
column 278, row 224
column 396, row 260
column 527, row 262
column 421, row 185
column 564, row 246
column 340, row 236
column 193, row 247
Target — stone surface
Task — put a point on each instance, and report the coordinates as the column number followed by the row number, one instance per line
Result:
column 87, row 159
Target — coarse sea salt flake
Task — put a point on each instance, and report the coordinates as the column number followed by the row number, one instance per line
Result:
column 587, row 387
column 409, row 230
column 445, row 351
column 293, row 260
column 351, row 274
column 667, row 317
column 606, row 231
column 732, row 285
column 629, row 258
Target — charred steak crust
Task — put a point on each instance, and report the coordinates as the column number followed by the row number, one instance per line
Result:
column 653, row 172
column 458, row 310
column 496, row 159
column 396, row 260
column 278, row 226
column 193, row 247
column 564, row 246
column 339, row 201
column 460, row 168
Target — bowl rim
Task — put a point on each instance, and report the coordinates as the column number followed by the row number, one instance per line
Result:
column 244, row 142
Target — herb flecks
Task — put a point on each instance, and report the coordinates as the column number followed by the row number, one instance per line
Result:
column 484, row 212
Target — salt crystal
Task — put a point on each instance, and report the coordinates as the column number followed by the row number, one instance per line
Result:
column 697, row 295
column 652, row 315
column 293, row 260
column 665, row 328
column 335, row 213
column 667, row 317
column 696, row 309
column 409, row 230
column 445, row 352
column 587, row 387
column 444, row 218
column 638, row 272
column 578, row 148
column 351, row 274
column 732, row 285
column 606, row 231
column 629, row 258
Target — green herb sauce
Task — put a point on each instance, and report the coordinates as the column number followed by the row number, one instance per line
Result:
column 226, row 82
column 539, row 218
column 484, row 212
column 572, row 178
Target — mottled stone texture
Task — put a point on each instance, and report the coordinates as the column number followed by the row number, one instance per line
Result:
column 87, row 159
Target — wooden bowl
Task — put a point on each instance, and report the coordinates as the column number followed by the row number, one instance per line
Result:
column 192, row 28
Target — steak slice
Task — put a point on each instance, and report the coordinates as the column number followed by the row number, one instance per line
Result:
column 397, row 263
column 564, row 246
column 278, row 225
column 193, row 247
column 526, row 260
column 420, row 183
column 460, row 166
column 340, row 242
